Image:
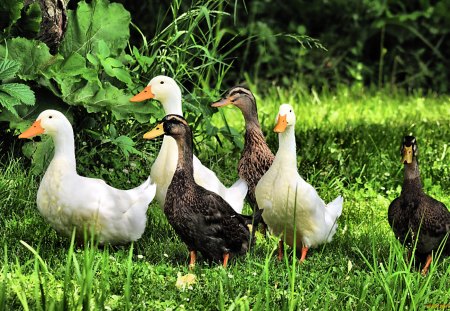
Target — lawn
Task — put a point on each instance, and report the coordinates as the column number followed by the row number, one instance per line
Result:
column 348, row 143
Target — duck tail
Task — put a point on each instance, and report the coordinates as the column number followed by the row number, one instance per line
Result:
column 235, row 195
column 146, row 191
column 332, row 213
column 334, row 208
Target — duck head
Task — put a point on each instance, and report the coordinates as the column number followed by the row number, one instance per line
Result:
column 409, row 149
column 49, row 122
column 238, row 96
column 171, row 125
column 165, row 90
column 285, row 118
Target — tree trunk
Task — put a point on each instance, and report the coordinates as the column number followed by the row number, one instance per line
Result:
column 54, row 21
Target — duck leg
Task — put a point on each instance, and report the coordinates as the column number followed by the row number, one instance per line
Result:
column 427, row 265
column 280, row 250
column 226, row 256
column 193, row 258
column 304, row 251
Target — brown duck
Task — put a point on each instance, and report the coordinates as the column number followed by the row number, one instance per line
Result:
column 415, row 215
column 203, row 220
column 256, row 157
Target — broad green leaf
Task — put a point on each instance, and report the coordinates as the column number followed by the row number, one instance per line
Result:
column 114, row 68
column 123, row 75
column 103, row 49
column 8, row 68
column 33, row 55
column 92, row 59
column 112, row 62
column 72, row 66
column 7, row 101
column 33, row 17
column 10, row 11
column 40, row 153
column 95, row 21
column 20, row 91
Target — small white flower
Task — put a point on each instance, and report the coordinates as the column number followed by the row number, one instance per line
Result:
column 230, row 276
column 165, row 255
column 140, row 256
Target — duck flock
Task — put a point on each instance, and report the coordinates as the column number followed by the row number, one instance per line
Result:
column 206, row 215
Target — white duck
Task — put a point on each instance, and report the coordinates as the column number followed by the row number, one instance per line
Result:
column 67, row 200
column 292, row 206
column 168, row 93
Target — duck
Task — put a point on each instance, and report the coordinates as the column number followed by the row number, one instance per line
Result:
column 202, row 219
column 165, row 90
column 67, row 200
column 292, row 207
column 415, row 217
column 256, row 157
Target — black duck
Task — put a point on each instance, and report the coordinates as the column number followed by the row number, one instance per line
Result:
column 414, row 214
column 203, row 220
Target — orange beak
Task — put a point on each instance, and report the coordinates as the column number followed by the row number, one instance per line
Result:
column 33, row 130
column 222, row 102
column 280, row 127
column 145, row 94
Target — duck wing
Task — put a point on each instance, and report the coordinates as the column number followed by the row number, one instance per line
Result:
column 432, row 221
column 398, row 219
column 225, row 229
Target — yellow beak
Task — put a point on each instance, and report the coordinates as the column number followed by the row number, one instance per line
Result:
column 146, row 93
column 34, row 130
column 222, row 102
column 407, row 155
column 281, row 125
column 157, row 131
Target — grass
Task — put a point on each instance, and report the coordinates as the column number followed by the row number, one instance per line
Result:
column 348, row 143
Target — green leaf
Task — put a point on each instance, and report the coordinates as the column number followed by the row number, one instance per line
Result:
column 10, row 11
column 72, row 66
column 92, row 59
column 8, row 68
column 7, row 101
column 20, row 91
column 40, row 153
column 123, row 75
column 92, row 22
column 33, row 17
column 114, row 68
column 103, row 50
column 126, row 144
column 34, row 56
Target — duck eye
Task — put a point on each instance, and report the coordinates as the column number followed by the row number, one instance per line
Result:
column 290, row 110
column 162, row 82
column 50, row 117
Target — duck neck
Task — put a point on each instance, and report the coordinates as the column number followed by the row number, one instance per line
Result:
column 172, row 104
column 65, row 148
column 287, row 145
column 185, row 166
column 251, row 118
column 411, row 181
